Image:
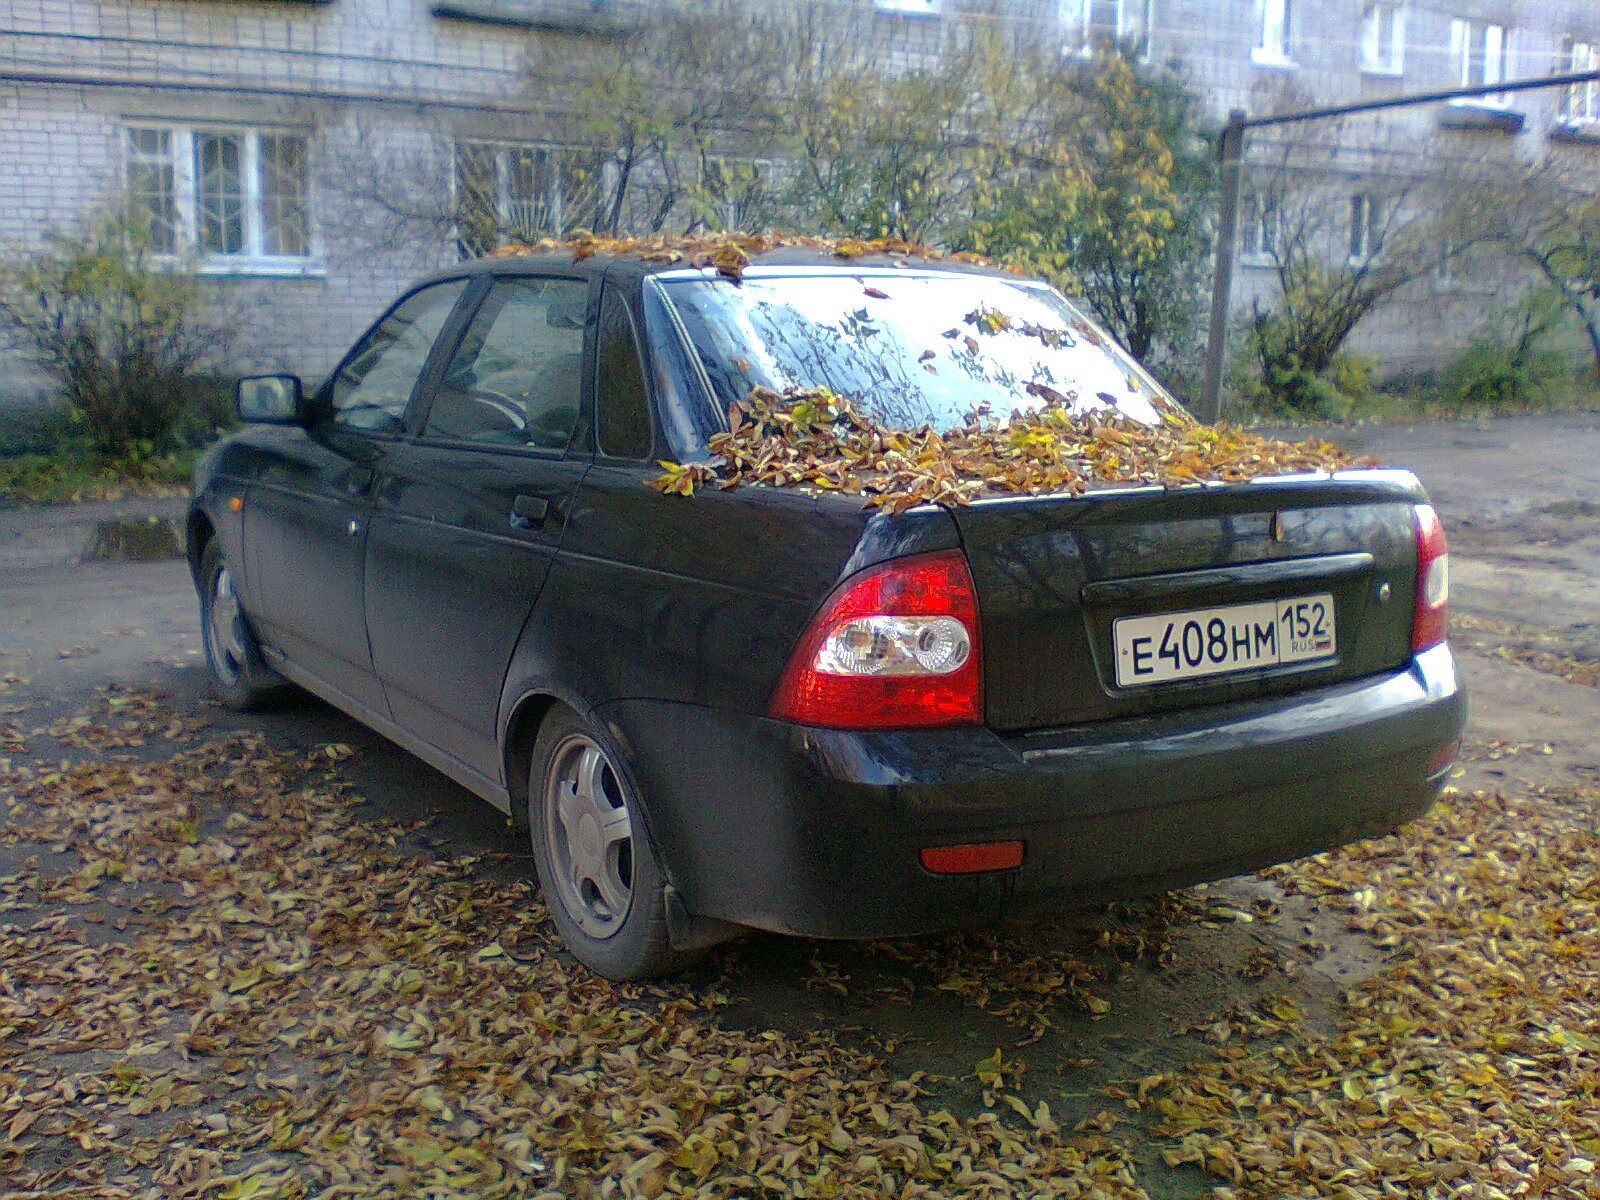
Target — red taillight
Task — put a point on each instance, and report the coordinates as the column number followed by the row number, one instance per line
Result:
column 893, row 647
column 1432, row 620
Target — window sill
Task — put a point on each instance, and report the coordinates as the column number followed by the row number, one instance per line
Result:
column 1272, row 60
column 579, row 18
column 1384, row 72
column 1580, row 133
column 910, row 12
column 269, row 268
column 1494, row 117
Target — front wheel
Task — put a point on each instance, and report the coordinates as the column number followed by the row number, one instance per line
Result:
column 242, row 679
column 600, row 876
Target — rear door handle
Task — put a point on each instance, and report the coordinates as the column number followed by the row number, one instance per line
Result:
column 529, row 511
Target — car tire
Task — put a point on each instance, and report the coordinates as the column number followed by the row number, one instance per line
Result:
column 600, row 876
column 242, row 680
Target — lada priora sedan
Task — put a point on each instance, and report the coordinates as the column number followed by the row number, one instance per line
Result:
column 762, row 707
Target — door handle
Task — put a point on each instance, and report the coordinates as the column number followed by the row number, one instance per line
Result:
column 529, row 511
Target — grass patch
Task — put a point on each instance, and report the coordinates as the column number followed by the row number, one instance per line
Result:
column 69, row 477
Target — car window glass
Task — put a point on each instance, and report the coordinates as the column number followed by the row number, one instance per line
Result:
column 515, row 379
column 624, row 402
column 375, row 383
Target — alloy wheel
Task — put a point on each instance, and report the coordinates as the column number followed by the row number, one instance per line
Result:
column 589, row 832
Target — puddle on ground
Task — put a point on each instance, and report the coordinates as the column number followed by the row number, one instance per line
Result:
column 141, row 539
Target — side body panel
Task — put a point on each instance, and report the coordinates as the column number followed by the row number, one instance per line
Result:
column 305, row 528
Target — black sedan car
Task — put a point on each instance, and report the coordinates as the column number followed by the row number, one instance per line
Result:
column 764, row 707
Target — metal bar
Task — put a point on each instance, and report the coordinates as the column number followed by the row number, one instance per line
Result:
column 1493, row 89
column 1232, row 151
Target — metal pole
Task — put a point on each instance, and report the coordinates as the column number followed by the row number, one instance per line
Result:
column 1232, row 152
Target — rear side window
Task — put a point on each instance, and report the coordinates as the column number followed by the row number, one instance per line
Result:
column 620, row 388
column 375, row 383
column 516, row 378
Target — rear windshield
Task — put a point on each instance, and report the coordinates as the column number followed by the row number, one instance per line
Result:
column 911, row 349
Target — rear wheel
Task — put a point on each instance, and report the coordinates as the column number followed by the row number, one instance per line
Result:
column 242, row 679
column 600, row 876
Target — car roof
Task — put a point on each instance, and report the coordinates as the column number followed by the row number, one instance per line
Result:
column 637, row 265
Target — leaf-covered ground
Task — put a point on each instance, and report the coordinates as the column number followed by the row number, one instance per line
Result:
column 218, row 979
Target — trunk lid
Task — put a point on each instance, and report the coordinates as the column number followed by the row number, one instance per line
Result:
column 1054, row 575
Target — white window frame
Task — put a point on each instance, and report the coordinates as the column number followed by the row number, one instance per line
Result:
column 1488, row 46
column 1383, row 38
column 253, row 259
column 1076, row 18
column 908, row 8
column 1275, row 30
column 503, row 199
column 1260, row 230
column 1366, row 228
column 1580, row 102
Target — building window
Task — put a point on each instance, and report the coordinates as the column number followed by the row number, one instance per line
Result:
column 914, row 8
column 1480, row 55
column 505, row 193
column 1383, row 39
column 151, row 186
column 1366, row 227
column 1580, row 103
column 1259, row 231
column 1090, row 25
column 239, row 198
column 1276, row 29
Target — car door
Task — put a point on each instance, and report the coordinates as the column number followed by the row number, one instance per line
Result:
column 469, row 514
column 306, row 519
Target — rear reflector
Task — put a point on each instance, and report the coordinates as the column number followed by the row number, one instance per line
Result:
column 1441, row 759
column 1431, row 623
column 964, row 860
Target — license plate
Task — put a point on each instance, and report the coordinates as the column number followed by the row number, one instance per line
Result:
column 1214, row 641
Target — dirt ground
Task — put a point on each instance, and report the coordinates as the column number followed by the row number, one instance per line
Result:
column 1079, row 1010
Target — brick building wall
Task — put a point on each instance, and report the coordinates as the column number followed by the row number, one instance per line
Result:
column 345, row 76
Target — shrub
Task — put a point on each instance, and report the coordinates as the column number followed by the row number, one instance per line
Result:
column 127, row 339
column 1510, row 367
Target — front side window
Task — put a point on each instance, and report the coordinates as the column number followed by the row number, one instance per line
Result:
column 516, row 379
column 373, row 385
column 1580, row 104
column 910, row 349
column 1480, row 56
column 1383, row 39
column 239, row 198
column 1273, row 45
column 505, row 193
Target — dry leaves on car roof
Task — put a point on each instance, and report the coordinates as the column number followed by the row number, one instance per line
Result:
column 816, row 439
column 730, row 253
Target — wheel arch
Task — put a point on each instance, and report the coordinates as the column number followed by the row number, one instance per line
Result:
column 198, row 534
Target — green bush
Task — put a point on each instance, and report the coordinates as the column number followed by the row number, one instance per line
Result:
column 127, row 338
column 1510, row 367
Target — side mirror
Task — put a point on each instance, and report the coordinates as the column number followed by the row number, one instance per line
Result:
column 271, row 399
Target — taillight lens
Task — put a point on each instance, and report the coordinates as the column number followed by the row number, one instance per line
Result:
column 893, row 647
column 1432, row 620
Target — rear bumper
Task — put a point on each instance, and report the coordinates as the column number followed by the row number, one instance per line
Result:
column 818, row 832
